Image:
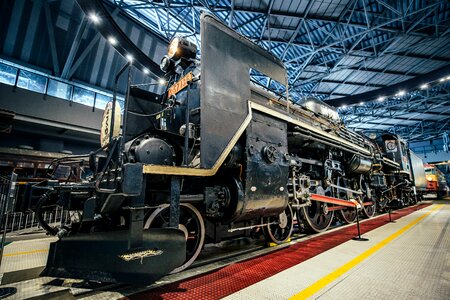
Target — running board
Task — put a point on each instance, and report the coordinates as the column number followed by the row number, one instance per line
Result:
column 104, row 256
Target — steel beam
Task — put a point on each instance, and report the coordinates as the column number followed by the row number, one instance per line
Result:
column 51, row 36
column 66, row 72
column 393, row 89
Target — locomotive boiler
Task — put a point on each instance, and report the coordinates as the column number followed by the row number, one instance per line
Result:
column 212, row 158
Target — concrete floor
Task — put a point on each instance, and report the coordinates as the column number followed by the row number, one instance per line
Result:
column 409, row 259
column 21, row 255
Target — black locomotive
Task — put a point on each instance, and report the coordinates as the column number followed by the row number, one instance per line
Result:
column 216, row 157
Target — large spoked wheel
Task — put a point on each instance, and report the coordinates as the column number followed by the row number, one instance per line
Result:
column 191, row 223
column 347, row 215
column 281, row 230
column 369, row 210
column 317, row 217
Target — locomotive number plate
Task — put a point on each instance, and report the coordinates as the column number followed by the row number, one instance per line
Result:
column 180, row 84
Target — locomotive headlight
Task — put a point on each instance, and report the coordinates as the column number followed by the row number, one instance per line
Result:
column 429, row 178
column 181, row 48
column 173, row 47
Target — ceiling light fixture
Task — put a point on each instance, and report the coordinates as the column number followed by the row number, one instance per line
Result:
column 112, row 40
column 424, row 86
column 94, row 18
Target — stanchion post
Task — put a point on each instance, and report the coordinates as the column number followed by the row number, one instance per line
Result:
column 390, row 217
column 357, row 223
column 358, row 238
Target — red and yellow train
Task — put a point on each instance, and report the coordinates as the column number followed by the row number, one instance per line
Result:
column 436, row 183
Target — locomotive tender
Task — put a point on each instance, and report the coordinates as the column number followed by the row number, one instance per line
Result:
column 212, row 158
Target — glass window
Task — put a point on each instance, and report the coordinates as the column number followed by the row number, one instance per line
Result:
column 430, row 171
column 8, row 74
column 31, row 81
column 101, row 100
column 83, row 96
column 59, row 89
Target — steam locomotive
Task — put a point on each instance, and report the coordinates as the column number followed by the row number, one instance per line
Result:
column 216, row 157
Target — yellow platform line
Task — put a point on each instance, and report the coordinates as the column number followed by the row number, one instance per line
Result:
column 25, row 252
column 321, row 283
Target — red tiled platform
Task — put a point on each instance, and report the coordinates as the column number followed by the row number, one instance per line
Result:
column 232, row 278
